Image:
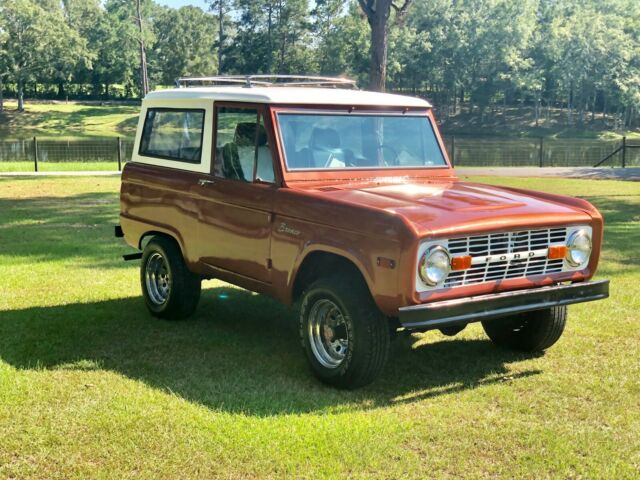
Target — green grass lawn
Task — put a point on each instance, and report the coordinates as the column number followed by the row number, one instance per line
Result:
column 91, row 386
column 68, row 121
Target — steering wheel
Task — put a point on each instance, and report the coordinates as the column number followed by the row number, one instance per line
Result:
column 327, row 164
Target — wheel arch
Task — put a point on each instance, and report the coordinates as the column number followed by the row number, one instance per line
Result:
column 148, row 235
column 324, row 262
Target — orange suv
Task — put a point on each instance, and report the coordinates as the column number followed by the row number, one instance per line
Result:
column 344, row 201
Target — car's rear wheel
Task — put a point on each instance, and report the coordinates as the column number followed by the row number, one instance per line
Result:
column 530, row 332
column 169, row 289
column 344, row 335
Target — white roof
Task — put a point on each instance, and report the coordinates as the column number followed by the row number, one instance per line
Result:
column 291, row 95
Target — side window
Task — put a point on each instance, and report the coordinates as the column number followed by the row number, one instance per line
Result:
column 242, row 149
column 173, row 134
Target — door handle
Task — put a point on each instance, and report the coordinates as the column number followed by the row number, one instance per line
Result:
column 203, row 182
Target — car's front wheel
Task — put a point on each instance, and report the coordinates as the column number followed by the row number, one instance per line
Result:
column 344, row 335
column 530, row 332
column 169, row 289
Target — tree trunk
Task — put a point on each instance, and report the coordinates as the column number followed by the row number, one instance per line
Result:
column 504, row 107
column 378, row 63
column 283, row 38
column 270, row 35
column 144, row 79
column 378, row 13
column 1, row 95
column 455, row 103
column 220, row 33
column 569, row 107
column 60, row 90
column 20, row 96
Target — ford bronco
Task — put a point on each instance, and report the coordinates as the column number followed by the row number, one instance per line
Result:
column 344, row 203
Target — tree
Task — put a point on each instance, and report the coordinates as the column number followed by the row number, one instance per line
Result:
column 222, row 8
column 35, row 37
column 252, row 48
column 378, row 13
column 65, row 58
column 127, row 41
column 273, row 36
column 84, row 17
column 4, row 69
column 185, row 44
column 144, row 75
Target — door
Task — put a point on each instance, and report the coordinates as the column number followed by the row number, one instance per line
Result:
column 235, row 201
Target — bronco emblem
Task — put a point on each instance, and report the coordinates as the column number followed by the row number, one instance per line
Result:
column 284, row 228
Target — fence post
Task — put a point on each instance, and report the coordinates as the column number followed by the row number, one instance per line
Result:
column 119, row 154
column 35, row 153
column 540, row 151
column 453, row 150
column 624, row 152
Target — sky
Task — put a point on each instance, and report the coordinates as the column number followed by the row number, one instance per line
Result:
column 182, row 3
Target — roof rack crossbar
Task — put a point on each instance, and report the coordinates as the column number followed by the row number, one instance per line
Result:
column 267, row 81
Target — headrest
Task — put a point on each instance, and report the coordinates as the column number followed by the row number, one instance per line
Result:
column 245, row 134
column 325, row 138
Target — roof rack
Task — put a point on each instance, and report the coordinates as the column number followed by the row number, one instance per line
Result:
column 249, row 81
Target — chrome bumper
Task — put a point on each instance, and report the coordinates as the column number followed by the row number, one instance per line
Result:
column 460, row 311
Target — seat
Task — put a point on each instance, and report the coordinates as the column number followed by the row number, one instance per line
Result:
column 323, row 143
column 239, row 156
column 264, row 169
column 231, row 167
column 324, row 139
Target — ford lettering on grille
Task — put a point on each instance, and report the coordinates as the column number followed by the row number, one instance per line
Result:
column 503, row 255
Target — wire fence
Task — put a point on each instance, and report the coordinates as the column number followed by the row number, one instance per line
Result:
column 540, row 152
column 36, row 154
column 111, row 153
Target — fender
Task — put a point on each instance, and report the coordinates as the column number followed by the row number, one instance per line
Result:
column 135, row 230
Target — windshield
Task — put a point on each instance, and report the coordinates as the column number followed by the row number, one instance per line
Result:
column 332, row 141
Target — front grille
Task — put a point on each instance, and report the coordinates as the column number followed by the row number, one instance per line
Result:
column 505, row 243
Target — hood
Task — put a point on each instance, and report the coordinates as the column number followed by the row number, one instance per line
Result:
column 455, row 207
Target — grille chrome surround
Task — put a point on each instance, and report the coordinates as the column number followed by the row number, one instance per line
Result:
column 505, row 255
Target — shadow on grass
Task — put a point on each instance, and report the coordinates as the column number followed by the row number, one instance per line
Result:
column 240, row 354
column 49, row 228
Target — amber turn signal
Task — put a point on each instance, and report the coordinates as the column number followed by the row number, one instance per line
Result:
column 557, row 252
column 461, row 263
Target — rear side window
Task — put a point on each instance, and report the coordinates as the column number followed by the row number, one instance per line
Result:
column 173, row 134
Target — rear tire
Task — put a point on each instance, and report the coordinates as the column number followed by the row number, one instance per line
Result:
column 343, row 333
column 529, row 332
column 169, row 289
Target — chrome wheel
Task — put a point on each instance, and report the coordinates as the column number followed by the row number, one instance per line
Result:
column 328, row 333
column 157, row 278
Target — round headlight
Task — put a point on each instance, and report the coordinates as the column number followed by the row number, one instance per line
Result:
column 578, row 248
column 435, row 265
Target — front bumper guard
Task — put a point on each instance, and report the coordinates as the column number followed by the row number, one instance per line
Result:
column 460, row 311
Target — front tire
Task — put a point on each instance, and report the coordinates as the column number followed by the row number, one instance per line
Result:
column 344, row 335
column 528, row 332
column 169, row 289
